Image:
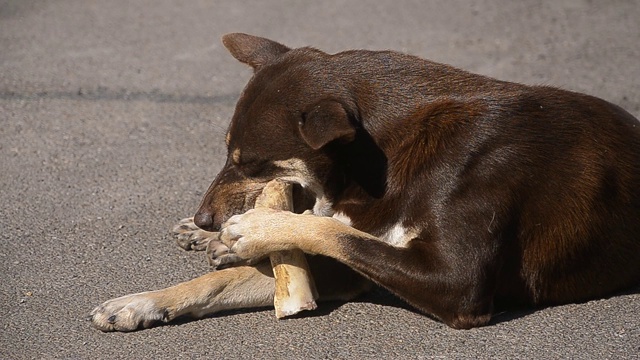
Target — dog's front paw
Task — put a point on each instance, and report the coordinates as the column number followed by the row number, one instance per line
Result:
column 128, row 313
column 220, row 257
column 191, row 237
column 258, row 232
column 228, row 260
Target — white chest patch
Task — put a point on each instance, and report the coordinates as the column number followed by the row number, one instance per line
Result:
column 398, row 235
column 322, row 207
column 342, row 218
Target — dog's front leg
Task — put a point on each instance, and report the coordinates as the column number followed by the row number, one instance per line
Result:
column 414, row 272
column 258, row 232
column 233, row 288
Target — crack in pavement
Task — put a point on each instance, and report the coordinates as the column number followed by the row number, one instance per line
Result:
column 106, row 94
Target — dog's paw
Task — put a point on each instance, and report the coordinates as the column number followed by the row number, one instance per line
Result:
column 254, row 234
column 190, row 237
column 128, row 313
column 219, row 256
column 228, row 260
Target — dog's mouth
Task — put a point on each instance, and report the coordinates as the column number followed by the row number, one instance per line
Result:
column 235, row 200
column 213, row 212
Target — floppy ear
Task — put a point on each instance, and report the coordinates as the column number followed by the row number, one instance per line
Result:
column 252, row 50
column 324, row 122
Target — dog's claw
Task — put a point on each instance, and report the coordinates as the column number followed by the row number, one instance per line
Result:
column 216, row 249
column 227, row 261
column 190, row 237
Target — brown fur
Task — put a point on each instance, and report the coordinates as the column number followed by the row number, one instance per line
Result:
column 458, row 193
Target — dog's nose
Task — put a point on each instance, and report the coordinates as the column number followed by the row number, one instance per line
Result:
column 204, row 221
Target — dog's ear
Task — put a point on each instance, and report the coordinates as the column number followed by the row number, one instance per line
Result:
column 324, row 122
column 252, row 50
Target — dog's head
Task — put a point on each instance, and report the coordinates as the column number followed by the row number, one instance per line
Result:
column 289, row 116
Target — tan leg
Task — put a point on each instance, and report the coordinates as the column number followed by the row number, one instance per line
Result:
column 258, row 232
column 233, row 288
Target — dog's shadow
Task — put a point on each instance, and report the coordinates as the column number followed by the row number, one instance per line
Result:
column 382, row 297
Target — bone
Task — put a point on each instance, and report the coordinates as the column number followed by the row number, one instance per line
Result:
column 295, row 289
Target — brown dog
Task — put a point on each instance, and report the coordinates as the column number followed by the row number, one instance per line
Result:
column 456, row 192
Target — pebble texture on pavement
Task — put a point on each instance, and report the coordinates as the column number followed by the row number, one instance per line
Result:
column 112, row 121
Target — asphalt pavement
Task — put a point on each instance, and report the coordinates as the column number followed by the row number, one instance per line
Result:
column 112, row 119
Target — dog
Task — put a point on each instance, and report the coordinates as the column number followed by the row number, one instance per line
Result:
column 458, row 193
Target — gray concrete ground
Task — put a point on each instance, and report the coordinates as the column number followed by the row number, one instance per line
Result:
column 112, row 116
